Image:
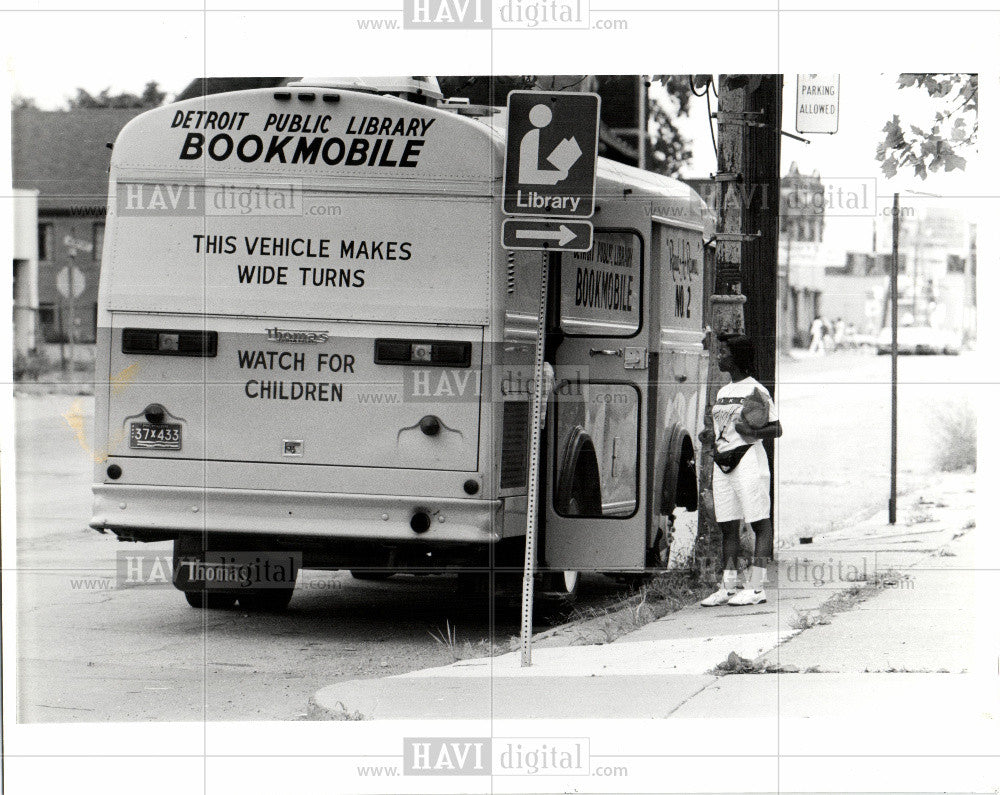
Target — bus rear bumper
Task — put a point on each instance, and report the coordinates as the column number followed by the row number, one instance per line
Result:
column 146, row 513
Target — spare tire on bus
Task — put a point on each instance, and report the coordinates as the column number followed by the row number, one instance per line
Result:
column 680, row 473
column 578, row 484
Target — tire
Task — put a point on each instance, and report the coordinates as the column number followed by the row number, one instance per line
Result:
column 565, row 585
column 558, row 590
column 266, row 600
column 210, row 601
column 680, row 474
column 578, row 489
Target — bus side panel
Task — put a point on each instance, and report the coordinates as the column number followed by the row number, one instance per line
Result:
column 103, row 444
column 682, row 367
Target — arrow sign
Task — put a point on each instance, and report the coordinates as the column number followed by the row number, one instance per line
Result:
column 562, row 235
column 529, row 234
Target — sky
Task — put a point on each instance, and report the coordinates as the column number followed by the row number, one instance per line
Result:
column 867, row 102
column 172, row 51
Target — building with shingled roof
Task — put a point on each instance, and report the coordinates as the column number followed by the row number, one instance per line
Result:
column 64, row 156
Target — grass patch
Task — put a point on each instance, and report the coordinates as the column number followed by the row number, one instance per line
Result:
column 346, row 715
column 447, row 639
column 666, row 592
column 844, row 600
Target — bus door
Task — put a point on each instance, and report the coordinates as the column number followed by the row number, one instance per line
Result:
column 594, row 516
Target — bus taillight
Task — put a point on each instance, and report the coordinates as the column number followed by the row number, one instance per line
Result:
column 423, row 352
column 169, row 342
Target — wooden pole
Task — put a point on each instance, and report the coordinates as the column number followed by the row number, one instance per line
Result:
column 746, row 255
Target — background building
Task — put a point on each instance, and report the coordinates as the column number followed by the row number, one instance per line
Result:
column 63, row 157
column 25, row 271
column 937, row 263
column 803, row 254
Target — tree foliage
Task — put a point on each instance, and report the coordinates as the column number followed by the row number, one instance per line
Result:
column 19, row 102
column 151, row 97
column 669, row 150
column 954, row 128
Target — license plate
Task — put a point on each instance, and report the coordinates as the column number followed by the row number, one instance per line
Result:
column 150, row 436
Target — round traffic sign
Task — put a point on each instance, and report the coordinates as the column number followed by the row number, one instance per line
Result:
column 63, row 280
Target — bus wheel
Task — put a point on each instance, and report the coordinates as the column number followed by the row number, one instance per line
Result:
column 371, row 574
column 563, row 586
column 210, row 601
column 266, row 600
column 567, row 583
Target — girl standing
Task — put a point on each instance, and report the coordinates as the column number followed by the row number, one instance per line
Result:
column 741, row 481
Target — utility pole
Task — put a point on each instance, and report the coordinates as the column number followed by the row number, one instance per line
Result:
column 785, row 331
column 745, row 294
column 894, row 308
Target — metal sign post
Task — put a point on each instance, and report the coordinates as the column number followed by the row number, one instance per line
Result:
column 537, row 407
column 70, row 282
column 550, row 178
column 72, row 309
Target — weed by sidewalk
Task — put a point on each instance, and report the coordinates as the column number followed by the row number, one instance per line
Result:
column 954, row 424
column 447, row 639
column 666, row 592
column 734, row 664
column 807, row 619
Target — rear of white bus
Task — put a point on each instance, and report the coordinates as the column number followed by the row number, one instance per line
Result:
column 293, row 308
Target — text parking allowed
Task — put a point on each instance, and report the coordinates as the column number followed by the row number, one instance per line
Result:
column 556, row 235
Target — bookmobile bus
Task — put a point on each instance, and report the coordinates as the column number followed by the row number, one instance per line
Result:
column 310, row 341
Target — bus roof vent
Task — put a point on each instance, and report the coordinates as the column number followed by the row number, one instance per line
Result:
column 424, row 90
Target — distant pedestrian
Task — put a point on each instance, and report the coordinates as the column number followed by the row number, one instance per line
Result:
column 742, row 416
column 839, row 330
column 828, row 345
column 816, row 344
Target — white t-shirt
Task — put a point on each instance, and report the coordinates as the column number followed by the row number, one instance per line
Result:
column 727, row 408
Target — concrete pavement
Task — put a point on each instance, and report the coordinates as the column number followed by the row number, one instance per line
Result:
column 826, row 644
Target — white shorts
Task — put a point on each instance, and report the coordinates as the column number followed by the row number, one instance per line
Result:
column 744, row 493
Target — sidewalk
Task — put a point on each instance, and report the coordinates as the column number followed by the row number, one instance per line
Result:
column 911, row 613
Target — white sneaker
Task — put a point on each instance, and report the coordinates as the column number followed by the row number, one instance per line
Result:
column 720, row 597
column 748, row 596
